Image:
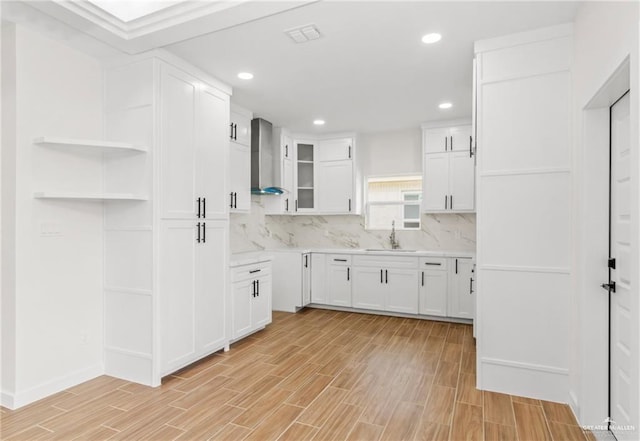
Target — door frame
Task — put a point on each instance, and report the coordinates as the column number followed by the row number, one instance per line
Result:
column 589, row 396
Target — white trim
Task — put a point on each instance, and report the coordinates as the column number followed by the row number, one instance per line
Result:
column 19, row 399
column 391, row 313
column 522, row 38
column 528, row 171
column 446, row 123
column 123, row 290
column 528, row 366
column 525, row 269
column 129, row 353
column 519, row 77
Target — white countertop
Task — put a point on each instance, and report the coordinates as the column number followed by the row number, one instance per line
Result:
column 261, row 256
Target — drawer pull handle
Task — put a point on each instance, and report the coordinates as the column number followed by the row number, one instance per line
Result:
column 339, row 260
column 433, row 263
column 254, row 271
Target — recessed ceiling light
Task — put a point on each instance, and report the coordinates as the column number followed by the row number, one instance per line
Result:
column 319, row 122
column 245, row 75
column 445, row 105
column 431, row 38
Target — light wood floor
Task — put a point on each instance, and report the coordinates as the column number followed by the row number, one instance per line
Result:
column 320, row 375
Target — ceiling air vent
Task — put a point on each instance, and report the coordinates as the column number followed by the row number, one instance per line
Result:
column 302, row 34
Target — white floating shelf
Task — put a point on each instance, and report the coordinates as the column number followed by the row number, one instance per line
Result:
column 89, row 143
column 89, row 196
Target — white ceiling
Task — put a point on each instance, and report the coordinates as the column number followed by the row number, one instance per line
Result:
column 369, row 71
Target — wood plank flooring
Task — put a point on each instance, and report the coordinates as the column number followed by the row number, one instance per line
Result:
column 316, row 375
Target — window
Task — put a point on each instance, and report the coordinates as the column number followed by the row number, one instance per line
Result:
column 393, row 199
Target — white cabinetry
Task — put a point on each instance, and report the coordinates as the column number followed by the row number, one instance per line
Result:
column 339, row 280
column 292, row 280
column 240, row 160
column 251, row 298
column 283, row 174
column 305, row 176
column 448, row 170
column 461, row 298
column 434, row 286
column 166, row 259
column 318, row 278
column 368, row 292
column 335, row 187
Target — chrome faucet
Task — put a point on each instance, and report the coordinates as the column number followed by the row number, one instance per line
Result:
column 392, row 237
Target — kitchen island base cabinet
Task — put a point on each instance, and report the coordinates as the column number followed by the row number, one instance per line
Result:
column 251, row 298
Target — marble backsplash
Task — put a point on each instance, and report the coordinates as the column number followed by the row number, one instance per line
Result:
column 256, row 231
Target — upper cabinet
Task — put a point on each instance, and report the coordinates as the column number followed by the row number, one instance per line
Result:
column 239, row 196
column 447, row 139
column 448, row 169
column 318, row 175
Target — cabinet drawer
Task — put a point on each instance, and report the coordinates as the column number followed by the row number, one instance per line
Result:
column 339, row 259
column 245, row 272
column 434, row 263
column 386, row 261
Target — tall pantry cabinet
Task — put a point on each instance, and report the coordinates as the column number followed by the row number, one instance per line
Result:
column 166, row 258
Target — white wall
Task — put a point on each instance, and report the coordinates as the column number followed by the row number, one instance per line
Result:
column 604, row 35
column 387, row 153
column 58, row 280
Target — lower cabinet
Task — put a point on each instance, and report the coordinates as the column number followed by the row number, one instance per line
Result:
column 306, row 279
column 192, row 293
column 250, row 298
column 401, row 291
column 339, row 280
column 434, row 286
column 368, row 292
column 461, row 298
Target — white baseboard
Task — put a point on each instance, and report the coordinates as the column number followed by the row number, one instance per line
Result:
column 22, row 398
column 548, row 383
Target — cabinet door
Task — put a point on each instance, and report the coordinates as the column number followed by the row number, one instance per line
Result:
column 211, row 301
column 318, row 279
column 436, row 140
column 435, row 182
column 335, row 149
column 240, row 194
column 335, row 186
column 339, row 285
column 461, row 298
column 241, row 304
column 434, row 292
column 261, row 303
column 287, row 182
column 401, row 291
column 212, row 157
column 368, row 288
column 178, row 260
column 461, row 181
column 460, row 138
column 178, row 145
column 241, row 129
column 306, row 279
column 305, row 177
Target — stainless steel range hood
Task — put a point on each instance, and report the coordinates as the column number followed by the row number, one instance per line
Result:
column 262, row 159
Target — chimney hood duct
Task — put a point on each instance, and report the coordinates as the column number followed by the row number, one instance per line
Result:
column 263, row 158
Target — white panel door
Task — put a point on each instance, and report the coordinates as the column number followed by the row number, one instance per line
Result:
column 623, row 344
column 178, row 145
column 461, row 181
column 401, row 288
column 318, row 278
column 178, row 251
column 261, row 303
column 460, row 138
column 212, row 143
column 241, row 297
column 461, row 302
column 434, row 285
column 339, row 285
column 211, row 301
column 241, row 131
column 436, row 140
column 368, row 288
column 240, row 194
column 335, row 186
column 435, row 184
